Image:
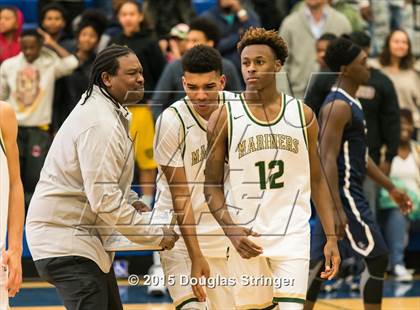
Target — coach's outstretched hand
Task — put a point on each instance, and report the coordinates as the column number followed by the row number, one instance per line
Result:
column 169, row 238
column 402, row 200
column 239, row 237
column 332, row 259
column 199, row 268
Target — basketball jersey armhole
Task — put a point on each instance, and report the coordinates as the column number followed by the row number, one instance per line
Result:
column 303, row 122
column 230, row 126
column 183, row 130
column 3, row 147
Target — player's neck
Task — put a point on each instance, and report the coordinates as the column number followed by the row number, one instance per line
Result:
column 348, row 86
column 264, row 96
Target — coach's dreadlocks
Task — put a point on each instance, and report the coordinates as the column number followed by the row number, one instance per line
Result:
column 105, row 61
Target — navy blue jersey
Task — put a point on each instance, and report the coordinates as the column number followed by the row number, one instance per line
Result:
column 363, row 235
column 352, row 159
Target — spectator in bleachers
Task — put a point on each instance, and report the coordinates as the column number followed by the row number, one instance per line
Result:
column 91, row 26
column 350, row 11
column 271, row 12
column 176, row 45
column 137, row 37
column 53, row 22
column 300, row 30
column 11, row 22
column 163, row 14
column 27, row 83
column 405, row 173
column 233, row 19
column 72, row 8
column 397, row 62
column 169, row 88
column 321, row 47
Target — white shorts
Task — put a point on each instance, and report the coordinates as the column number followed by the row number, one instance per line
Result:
column 287, row 280
column 176, row 265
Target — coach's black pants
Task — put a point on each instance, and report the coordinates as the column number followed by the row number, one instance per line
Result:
column 80, row 283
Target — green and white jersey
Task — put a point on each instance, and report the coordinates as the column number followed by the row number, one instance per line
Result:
column 181, row 141
column 4, row 193
column 268, row 186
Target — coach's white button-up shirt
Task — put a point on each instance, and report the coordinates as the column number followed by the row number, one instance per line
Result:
column 84, row 193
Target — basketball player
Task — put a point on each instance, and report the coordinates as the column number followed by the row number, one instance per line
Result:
column 270, row 142
column 180, row 150
column 344, row 154
column 11, row 207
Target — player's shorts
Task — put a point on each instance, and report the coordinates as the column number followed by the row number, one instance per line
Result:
column 142, row 131
column 266, row 282
column 363, row 235
column 226, row 287
column 176, row 265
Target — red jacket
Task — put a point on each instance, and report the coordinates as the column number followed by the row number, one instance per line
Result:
column 10, row 49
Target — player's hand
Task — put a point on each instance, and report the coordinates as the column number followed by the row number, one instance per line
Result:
column 12, row 259
column 199, row 268
column 169, row 238
column 340, row 223
column 401, row 199
column 239, row 237
column 332, row 259
column 140, row 206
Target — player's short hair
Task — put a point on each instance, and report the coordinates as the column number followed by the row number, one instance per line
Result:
column 32, row 33
column 105, row 61
column 360, row 38
column 255, row 36
column 52, row 7
column 340, row 52
column 208, row 27
column 202, row 59
column 407, row 115
column 327, row 37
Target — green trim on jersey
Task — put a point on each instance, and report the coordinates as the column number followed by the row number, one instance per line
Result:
column 303, row 121
column 178, row 307
column 3, row 147
column 183, row 129
column 195, row 116
column 288, row 299
column 230, row 125
column 266, row 308
column 262, row 123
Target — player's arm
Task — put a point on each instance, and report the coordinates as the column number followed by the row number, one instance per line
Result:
column 399, row 196
column 321, row 196
column 217, row 133
column 168, row 154
column 181, row 201
column 12, row 257
column 334, row 118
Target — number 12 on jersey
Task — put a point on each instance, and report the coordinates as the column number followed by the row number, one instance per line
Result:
column 275, row 169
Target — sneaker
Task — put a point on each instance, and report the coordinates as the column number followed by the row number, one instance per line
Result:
column 402, row 274
column 157, row 287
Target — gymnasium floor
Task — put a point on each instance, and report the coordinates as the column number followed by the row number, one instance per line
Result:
column 39, row 296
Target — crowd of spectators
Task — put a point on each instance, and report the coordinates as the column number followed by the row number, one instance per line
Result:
column 44, row 72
